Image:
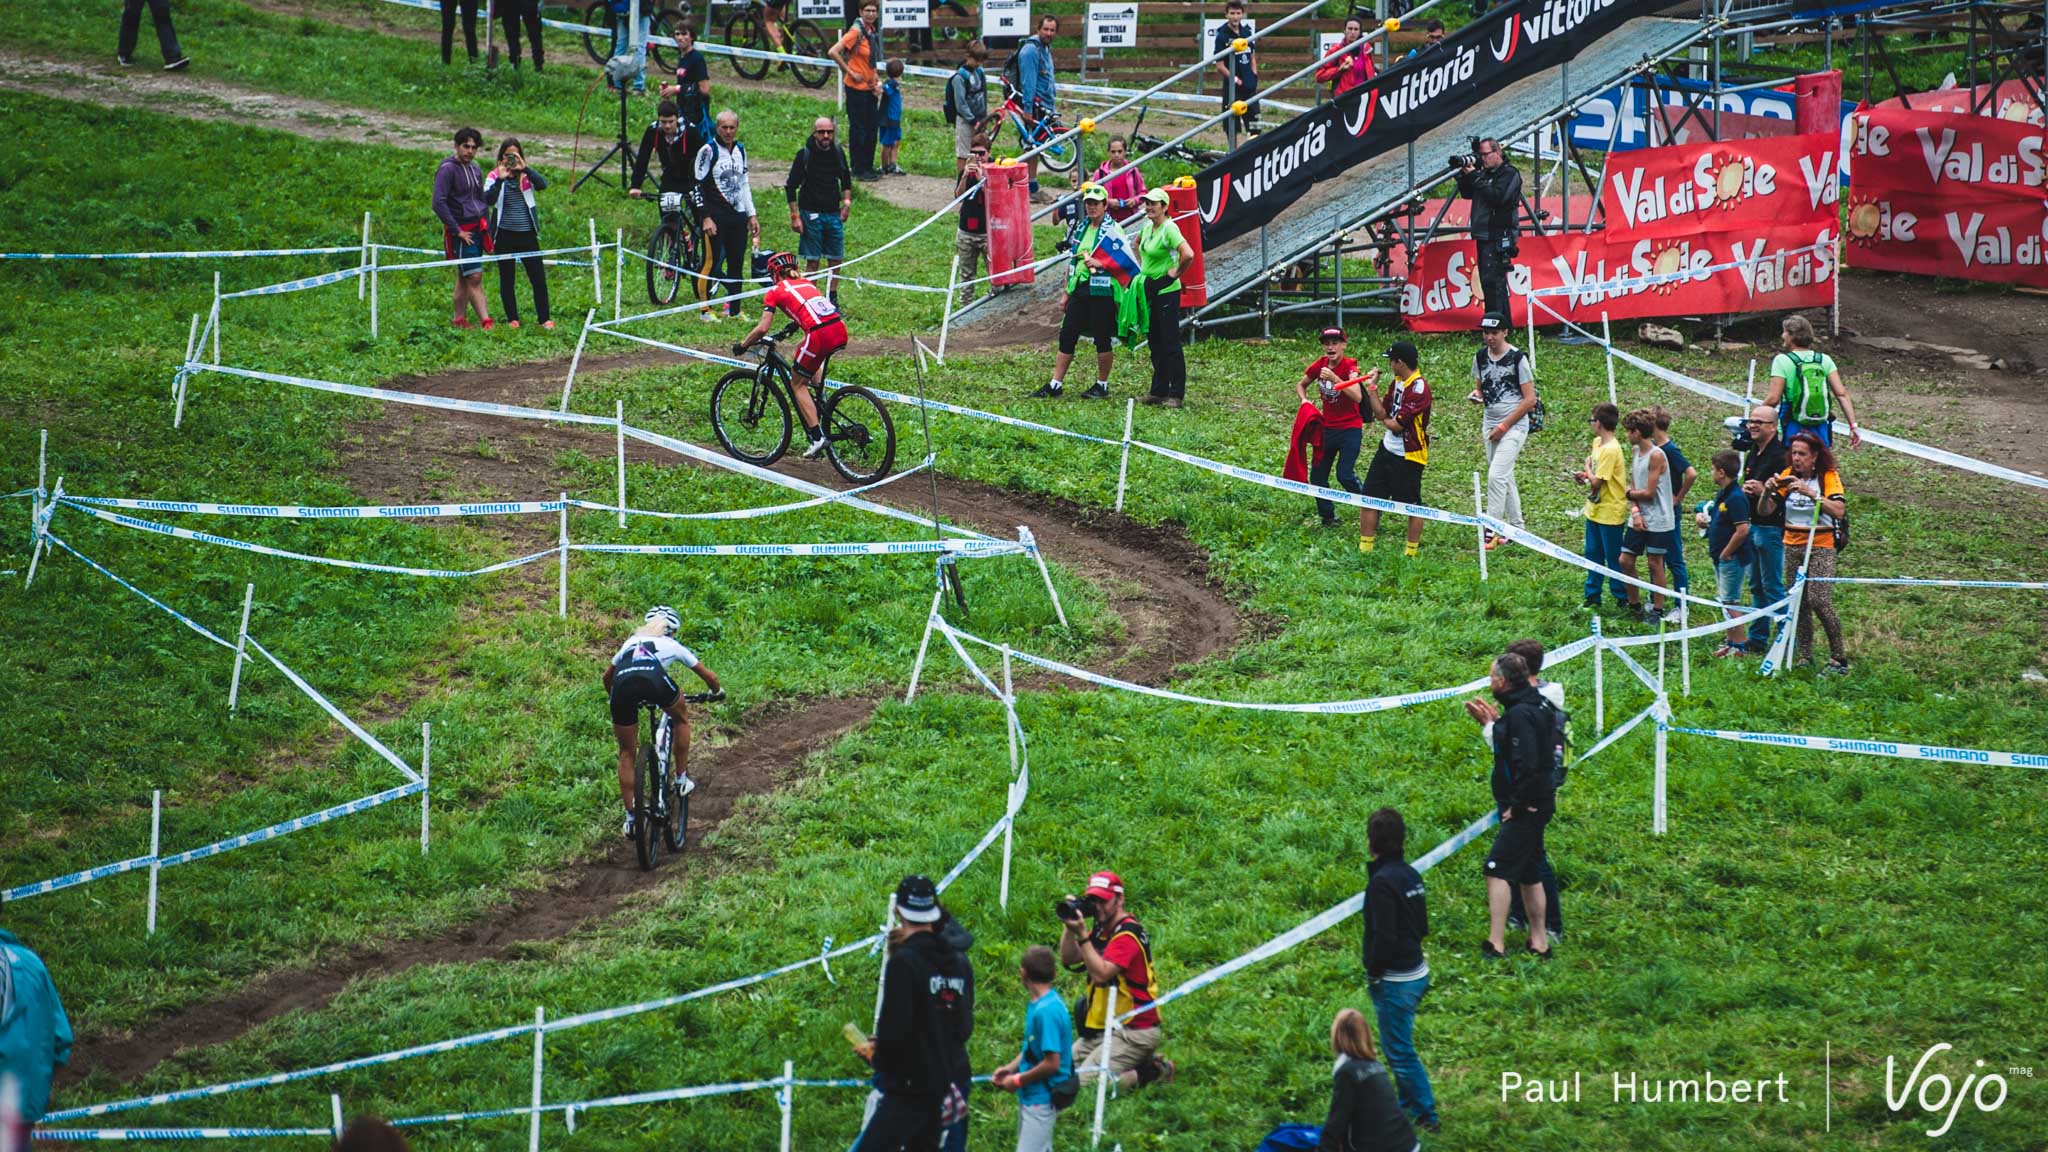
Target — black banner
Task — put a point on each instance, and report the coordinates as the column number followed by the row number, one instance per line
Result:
column 1257, row 182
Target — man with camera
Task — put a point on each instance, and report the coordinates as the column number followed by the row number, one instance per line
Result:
column 1495, row 189
column 1765, row 457
column 1113, row 953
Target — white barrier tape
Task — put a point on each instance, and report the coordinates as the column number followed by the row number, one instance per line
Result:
column 988, row 839
column 73, row 879
column 340, row 717
column 1556, row 551
column 1882, row 440
column 1299, row 488
column 756, row 513
column 487, row 258
column 1641, row 673
column 1773, row 611
column 953, row 639
column 173, row 613
column 716, row 460
column 2028, row 585
column 220, row 254
column 402, row 248
column 1330, row 707
column 1887, row 748
column 420, row 399
column 20, row 494
column 123, row 1134
column 299, row 824
column 1315, row 925
column 334, row 512
column 1615, row 735
column 872, row 548
column 297, row 285
column 265, row 550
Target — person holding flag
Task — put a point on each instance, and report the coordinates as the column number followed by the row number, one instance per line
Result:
column 1104, row 266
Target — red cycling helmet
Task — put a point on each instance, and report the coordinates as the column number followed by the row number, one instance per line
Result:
column 782, row 266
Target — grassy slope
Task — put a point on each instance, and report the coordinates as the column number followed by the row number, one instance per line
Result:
column 1800, row 898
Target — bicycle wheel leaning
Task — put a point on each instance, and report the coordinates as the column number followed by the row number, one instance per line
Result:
column 751, row 417
column 645, row 844
column 807, row 39
column 598, row 44
column 1060, row 155
column 743, row 30
column 664, row 23
column 859, row 436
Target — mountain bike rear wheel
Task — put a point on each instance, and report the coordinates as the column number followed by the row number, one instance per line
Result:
column 676, row 829
column 859, row 436
column 665, row 23
column 806, row 39
column 599, row 45
column 645, row 844
column 751, row 421
column 743, row 30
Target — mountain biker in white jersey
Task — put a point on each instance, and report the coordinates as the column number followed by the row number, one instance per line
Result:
column 637, row 676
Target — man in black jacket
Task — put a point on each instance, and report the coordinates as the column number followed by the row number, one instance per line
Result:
column 927, row 998
column 667, row 140
column 820, row 195
column 1526, row 793
column 1495, row 189
column 1396, row 921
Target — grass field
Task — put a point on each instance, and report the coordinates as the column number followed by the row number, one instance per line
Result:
column 1800, row 900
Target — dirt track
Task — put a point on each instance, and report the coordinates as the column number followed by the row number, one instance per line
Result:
column 1156, row 580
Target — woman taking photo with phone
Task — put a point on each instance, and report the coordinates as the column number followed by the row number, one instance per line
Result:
column 515, row 221
column 1816, row 516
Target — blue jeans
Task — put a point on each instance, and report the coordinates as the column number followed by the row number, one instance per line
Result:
column 1340, row 447
column 1674, row 560
column 1825, row 430
column 1394, row 1004
column 1603, row 546
column 1767, row 579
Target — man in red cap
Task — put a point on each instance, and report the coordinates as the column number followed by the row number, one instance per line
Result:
column 1115, row 953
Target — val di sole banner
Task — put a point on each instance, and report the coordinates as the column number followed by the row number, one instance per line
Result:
column 1742, row 270
column 1943, row 194
column 1690, row 189
column 1257, row 182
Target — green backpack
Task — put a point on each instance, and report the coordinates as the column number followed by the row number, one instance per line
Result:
column 1806, row 390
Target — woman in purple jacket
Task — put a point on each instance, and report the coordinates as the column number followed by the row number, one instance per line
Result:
column 465, row 230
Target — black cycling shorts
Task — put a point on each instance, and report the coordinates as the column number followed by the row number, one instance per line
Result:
column 1090, row 315
column 1517, row 855
column 635, row 690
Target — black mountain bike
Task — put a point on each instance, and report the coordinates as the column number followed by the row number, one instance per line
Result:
column 664, row 823
column 750, row 413
column 746, row 28
column 660, row 22
column 675, row 253
column 1138, row 144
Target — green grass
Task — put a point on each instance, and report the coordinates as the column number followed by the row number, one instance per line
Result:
column 1800, row 900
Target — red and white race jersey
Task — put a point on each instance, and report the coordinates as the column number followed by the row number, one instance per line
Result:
column 801, row 301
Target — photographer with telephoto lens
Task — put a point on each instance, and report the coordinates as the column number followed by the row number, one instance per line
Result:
column 1114, row 952
column 1495, row 189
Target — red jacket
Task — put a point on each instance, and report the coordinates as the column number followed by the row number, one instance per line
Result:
column 1307, row 435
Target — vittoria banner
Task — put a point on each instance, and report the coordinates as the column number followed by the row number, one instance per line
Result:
column 1259, row 180
column 1943, row 194
column 1580, row 276
column 1694, row 188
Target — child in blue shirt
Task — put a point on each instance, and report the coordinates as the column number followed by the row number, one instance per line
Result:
column 1727, row 519
column 1044, row 1064
column 892, row 118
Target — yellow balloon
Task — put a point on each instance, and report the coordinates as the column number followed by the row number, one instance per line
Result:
column 1393, row 24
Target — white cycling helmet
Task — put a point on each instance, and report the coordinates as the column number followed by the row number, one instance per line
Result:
column 670, row 621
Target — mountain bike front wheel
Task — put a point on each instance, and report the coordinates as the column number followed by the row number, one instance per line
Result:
column 805, row 39
column 645, row 843
column 743, row 30
column 751, row 417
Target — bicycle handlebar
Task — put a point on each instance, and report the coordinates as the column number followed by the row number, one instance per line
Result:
column 704, row 697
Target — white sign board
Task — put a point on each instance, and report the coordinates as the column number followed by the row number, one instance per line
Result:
column 833, row 10
column 1112, row 25
column 906, row 14
column 1005, row 18
column 1326, row 41
column 1210, row 25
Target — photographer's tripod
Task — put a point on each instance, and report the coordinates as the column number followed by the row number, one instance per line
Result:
column 619, row 71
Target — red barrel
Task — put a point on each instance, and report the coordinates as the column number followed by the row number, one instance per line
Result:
column 1008, row 186
column 1180, row 202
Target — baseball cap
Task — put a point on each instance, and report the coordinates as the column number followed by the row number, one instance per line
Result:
column 917, row 900
column 1404, row 351
column 1492, row 322
column 1094, row 192
column 1104, row 886
column 1332, row 333
column 1157, row 196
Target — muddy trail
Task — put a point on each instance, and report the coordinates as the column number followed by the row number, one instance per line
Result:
column 1154, row 578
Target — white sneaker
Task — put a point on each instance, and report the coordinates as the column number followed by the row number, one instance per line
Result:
column 628, row 830
column 685, row 784
column 817, row 446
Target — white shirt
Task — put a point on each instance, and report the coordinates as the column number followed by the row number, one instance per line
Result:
column 643, row 650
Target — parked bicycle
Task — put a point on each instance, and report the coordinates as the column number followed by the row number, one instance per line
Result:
column 1139, row 144
column 661, row 22
column 663, row 823
column 747, row 28
column 750, row 413
column 1060, row 157
column 675, row 253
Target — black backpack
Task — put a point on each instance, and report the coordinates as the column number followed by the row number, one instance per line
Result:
column 950, row 109
column 1560, row 740
column 1013, row 72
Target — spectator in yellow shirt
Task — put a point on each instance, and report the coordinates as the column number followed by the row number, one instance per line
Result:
column 1606, row 483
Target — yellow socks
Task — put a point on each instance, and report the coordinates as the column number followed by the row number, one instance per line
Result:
column 1412, row 548
column 1365, row 543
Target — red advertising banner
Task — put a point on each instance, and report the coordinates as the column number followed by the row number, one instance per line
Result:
column 1687, row 189
column 1581, row 276
column 1818, row 107
column 2012, row 100
column 1942, row 194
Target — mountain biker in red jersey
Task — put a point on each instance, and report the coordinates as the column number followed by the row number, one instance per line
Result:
column 824, row 333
